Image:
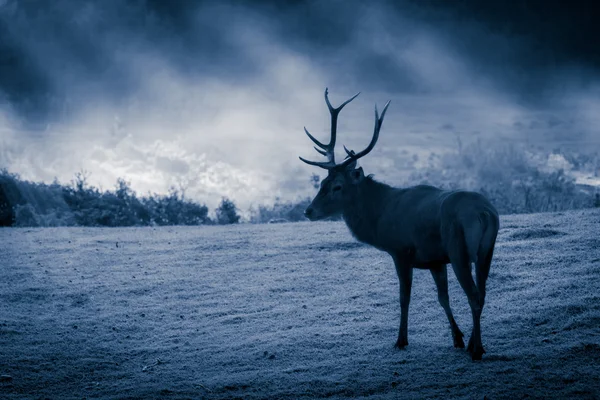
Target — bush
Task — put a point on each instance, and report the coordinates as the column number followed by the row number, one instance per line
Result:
column 288, row 211
column 25, row 215
column 10, row 197
column 512, row 178
column 173, row 209
column 227, row 212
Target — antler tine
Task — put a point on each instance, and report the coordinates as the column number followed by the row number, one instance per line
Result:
column 326, row 165
column 337, row 110
column 349, row 153
column 378, row 122
column 328, row 150
column 334, row 115
column 323, row 146
column 323, row 152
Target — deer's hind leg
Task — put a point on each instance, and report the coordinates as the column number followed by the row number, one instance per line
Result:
column 461, row 264
column 440, row 276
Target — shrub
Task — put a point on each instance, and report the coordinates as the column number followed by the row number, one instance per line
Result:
column 173, row 209
column 512, row 178
column 227, row 212
column 25, row 215
column 10, row 197
column 288, row 211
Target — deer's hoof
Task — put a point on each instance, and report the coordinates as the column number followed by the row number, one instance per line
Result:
column 476, row 350
column 458, row 342
column 401, row 344
column 477, row 353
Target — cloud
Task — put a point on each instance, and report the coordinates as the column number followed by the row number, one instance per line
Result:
column 213, row 96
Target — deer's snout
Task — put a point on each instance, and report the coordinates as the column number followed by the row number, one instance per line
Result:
column 309, row 212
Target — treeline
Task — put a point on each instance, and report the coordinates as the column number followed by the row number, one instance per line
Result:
column 24, row 203
column 516, row 180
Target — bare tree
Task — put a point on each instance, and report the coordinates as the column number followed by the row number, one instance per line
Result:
column 420, row 227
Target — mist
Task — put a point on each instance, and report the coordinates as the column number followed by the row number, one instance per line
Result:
column 211, row 97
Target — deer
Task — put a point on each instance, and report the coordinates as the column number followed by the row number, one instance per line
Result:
column 420, row 227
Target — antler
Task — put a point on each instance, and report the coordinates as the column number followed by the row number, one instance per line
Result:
column 328, row 149
column 351, row 155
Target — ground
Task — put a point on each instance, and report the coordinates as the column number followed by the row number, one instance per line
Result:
column 290, row 311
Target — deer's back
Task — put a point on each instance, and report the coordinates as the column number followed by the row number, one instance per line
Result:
column 418, row 220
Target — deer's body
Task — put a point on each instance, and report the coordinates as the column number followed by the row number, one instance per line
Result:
column 411, row 221
column 420, row 227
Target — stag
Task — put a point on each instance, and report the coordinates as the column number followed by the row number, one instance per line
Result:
column 420, row 227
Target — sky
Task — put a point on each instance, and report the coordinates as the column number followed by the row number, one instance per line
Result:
column 212, row 96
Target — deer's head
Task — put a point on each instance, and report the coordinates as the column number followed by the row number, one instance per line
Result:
column 342, row 179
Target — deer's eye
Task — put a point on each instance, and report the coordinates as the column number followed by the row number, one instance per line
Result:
column 337, row 187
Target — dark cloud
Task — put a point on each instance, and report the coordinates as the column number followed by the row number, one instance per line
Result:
column 22, row 83
column 55, row 53
column 552, row 31
column 52, row 54
column 528, row 46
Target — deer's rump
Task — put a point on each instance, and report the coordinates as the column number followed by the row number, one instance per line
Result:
column 469, row 220
column 433, row 221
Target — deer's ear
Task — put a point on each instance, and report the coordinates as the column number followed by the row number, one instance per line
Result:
column 357, row 175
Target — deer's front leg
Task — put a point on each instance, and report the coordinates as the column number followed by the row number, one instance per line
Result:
column 405, row 273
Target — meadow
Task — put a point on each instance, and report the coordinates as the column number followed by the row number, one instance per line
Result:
column 293, row 311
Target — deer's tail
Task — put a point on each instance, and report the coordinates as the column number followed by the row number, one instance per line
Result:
column 480, row 235
column 480, row 239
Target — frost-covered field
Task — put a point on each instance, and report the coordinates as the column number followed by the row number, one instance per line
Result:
column 290, row 311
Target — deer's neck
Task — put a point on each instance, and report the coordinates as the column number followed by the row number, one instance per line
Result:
column 362, row 209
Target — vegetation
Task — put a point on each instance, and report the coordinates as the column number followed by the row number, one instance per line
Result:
column 24, row 203
column 227, row 212
column 281, row 211
column 516, row 180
